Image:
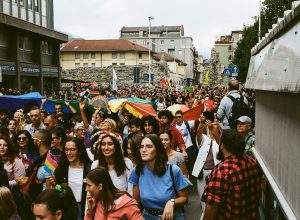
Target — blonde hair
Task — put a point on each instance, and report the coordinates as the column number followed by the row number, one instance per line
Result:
column 112, row 124
column 8, row 207
column 20, row 123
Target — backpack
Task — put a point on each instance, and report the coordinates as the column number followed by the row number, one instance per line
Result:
column 239, row 108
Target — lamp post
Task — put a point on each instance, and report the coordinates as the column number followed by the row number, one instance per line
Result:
column 149, row 70
column 259, row 20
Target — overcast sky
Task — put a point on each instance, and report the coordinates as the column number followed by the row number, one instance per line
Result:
column 203, row 20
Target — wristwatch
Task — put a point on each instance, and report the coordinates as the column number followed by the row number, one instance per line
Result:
column 172, row 200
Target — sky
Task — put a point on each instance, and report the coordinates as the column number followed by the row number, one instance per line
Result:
column 203, row 20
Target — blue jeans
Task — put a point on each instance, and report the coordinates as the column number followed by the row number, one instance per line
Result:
column 178, row 215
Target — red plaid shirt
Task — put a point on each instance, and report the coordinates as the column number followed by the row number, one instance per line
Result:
column 234, row 187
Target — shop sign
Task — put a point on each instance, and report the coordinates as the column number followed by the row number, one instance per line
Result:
column 30, row 70
column 50, row 69
column 7, row 68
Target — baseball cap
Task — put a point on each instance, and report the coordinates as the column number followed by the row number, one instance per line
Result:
column 244, row 119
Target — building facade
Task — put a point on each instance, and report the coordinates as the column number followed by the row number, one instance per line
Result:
column 168, row 39
column 103, row 53
column 29, row 46
column 223, row 53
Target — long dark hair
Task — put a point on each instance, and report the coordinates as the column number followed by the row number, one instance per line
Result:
column 109, row 192
column 151, row 121
column 64, row 163
column 135, row 143
column 120, row 165
column 30, row 145
column 62, row 199
column 11, row 153
column 161, row 158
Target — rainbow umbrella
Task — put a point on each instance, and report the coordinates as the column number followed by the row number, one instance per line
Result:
column 99, row 102
column 176, row 107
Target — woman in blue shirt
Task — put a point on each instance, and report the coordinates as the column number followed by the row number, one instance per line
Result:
column 153, row 186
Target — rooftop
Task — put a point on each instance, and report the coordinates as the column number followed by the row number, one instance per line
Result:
column 103, row 45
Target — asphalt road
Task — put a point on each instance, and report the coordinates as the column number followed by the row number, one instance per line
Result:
column 192, row 209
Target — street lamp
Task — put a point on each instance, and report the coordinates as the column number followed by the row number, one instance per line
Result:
column 149, row 70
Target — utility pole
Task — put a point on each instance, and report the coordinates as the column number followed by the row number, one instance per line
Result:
column 149, row 70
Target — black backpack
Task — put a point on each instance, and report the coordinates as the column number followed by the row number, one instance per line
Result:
column 239, row 108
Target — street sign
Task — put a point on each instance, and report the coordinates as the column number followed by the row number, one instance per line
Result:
column 227, row 72
column 235, row 69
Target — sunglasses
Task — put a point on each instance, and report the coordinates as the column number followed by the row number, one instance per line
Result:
column 178, row 116
column 22, row 138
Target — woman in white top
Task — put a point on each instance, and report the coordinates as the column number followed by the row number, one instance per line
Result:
column 73, row 167
column 108, row 154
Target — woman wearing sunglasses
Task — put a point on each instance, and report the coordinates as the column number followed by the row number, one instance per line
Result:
column 26, row 148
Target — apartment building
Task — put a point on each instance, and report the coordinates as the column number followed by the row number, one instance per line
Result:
column 176, row 67
column 103, row 53
column 29, row 45
column 166, row 39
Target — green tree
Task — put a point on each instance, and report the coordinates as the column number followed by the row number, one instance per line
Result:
column 242, row 53
column 272, row 9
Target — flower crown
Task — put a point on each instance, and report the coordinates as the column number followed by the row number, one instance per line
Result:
column 101, row 134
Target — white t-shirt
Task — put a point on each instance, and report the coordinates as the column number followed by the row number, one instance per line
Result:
column 120, row 182
column 185, row 133
column 75, row 181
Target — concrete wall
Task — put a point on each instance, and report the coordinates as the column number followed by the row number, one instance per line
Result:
column 278, row 116
column 125, row 74
column 103, row 59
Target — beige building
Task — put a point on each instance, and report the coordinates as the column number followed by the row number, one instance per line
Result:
column 176, row 68
column 103, row 53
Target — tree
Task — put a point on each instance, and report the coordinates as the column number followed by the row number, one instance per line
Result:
column 242, row 54
column 272, row 9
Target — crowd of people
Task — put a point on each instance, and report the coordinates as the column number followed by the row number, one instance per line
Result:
column 107, row 165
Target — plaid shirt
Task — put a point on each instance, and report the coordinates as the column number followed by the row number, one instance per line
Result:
column 234, row 187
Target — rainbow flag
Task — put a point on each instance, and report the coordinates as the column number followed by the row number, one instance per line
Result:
column 50, row 163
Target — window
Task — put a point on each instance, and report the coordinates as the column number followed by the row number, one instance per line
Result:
column 85, row 55
column 162, row 42
column 141, row 33
column 85, row 65
column 136, row 75
column 37, row 5
column 29, row 3
column 77, row 55
column 140, row 56
column 22, row 3
column 77, row 65
column 229, row 48
column 93, row 55
column 171, row 42
column 171, row 51
column 114, row 64
column 122, row 64
column 46, row 48
column 180, row 52
column 25, row 43
column 144, row 42
column 230, row 57
column 122, row 55
column 93, row 65
column 114, row 55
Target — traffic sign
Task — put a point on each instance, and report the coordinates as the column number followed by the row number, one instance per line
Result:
column 227, row 72
column 235, row 69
